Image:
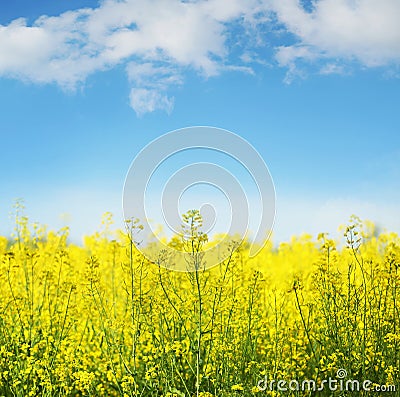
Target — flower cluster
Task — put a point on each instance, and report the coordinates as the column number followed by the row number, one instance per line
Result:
column 100, row 320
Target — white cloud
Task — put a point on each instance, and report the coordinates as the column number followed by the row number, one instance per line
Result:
column 152, row 82
column 332, row 68
column 365, row 31
column 144, row 100
column 65, row 49
column 158, row 40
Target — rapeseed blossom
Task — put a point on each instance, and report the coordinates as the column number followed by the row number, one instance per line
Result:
column 100, row 320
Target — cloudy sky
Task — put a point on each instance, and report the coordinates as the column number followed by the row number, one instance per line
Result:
column 314, row 86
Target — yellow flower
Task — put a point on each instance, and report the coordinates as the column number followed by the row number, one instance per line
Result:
column 238, row 387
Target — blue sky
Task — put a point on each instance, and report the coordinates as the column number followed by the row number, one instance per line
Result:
column 85, row 85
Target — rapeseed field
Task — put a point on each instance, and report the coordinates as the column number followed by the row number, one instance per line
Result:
column 100, row 320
